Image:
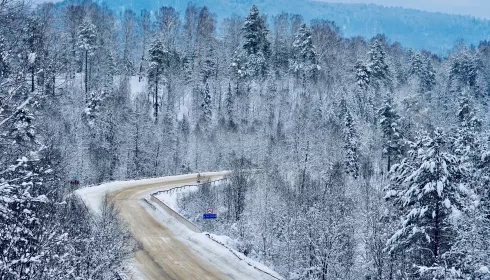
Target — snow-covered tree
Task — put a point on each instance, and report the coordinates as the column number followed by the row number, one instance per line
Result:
column 87, row 42
column 468, row 142
column 363, row 73
column 464, row 69
column 393, row 140
column 428, row 187
column 256, row 45
column 378, row 67
column 351, row 143
column 205, row 36
column 304, row 55
column 34, row 43
column 159, row 58
column 230, row 107
column 420, row 66
column 20, row 235
column 206, row 105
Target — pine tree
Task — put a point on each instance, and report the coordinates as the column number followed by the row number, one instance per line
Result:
column 20, row 216
column 351, row 144
column 206, row 105
column 428, row 189
column 230, row 106
column 87, row 40
column 206, row 28
column 158, row 57
column 428, row 78
column 363, row 73
column 464, row 70
column 377, row 63
column 420, row 66
column 34, row 43
column 256, row 45
column 304, row 54
column 467, row 142
column 393, row 140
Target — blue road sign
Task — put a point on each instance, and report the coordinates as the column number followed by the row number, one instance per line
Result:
column 209, row 216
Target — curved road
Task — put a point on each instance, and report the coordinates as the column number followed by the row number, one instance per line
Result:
column 161, row 254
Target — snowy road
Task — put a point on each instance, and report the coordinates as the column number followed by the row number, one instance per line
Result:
column 162, row 253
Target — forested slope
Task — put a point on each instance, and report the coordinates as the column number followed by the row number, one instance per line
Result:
column 378, row 154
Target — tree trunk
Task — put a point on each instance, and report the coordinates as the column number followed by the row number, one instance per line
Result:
column 389, row 163
column 86, row 75
column 156, row 96
column 436, row 234
column 32, row 79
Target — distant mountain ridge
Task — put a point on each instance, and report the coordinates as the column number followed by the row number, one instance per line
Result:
column 436, row 32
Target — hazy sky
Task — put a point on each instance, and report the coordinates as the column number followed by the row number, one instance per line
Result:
column 477, row 8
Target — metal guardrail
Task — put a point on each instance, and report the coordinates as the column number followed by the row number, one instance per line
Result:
column 185, row 186
column 190, row 225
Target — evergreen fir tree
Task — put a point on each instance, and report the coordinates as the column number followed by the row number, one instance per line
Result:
column 351, row 144
column 256, row 45
column 158, row 57
column 363, row 73
column 230, row 106
column 34, row 43
column 87, row 40
column 304, row 54
column 393, row 140
column 206, row 105
column 377, row 63
column 464, row 70
column 428, row 188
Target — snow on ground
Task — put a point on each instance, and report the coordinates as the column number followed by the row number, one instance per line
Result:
column 137, row 86
column 171, row 198
column 185, row 102
column 231, row 244
column 215, row 253
column 484, row 270
column 92, row 195
column 199, row 243
column 203, row 246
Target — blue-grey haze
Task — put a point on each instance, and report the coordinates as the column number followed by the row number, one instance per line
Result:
column 436, row 32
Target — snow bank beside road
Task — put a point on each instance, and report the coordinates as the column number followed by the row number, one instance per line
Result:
column 217, row 249
column 215, row 253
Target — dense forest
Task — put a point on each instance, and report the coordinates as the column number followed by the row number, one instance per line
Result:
column 374, row 159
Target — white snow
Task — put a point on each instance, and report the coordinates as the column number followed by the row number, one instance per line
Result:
column 170, row 198
column 217, row 254
column 447, row 203
column 92, row 195
column 484, row 270
column 32, row 57
column 137, row 86
column 199, row 243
